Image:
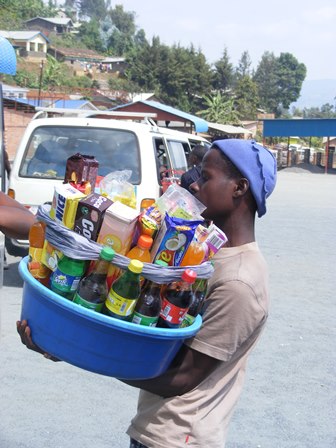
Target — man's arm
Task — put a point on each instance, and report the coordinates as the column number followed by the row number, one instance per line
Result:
column 15, row 219
column 188, row 370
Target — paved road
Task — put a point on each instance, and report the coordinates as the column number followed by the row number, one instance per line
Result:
column 289, row 396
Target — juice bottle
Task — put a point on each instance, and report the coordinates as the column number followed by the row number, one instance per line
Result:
column 141, row 250
column 197, row 249
column 65, row 279
column 36, row 242
column 92, row 289
column 124, row 292
column 148, row 307
column 176, row 300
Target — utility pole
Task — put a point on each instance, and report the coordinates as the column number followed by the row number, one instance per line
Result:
column 40, row 82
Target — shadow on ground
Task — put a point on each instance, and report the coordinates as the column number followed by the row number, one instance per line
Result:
column 308, row 168
column 11, row 276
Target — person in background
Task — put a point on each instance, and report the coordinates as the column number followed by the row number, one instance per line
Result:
column 194, row 161
column 192, row 403
column 15, row 219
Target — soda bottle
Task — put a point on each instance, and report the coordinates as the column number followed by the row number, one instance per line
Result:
column 197, row 249
column 176, row 300
column 141, row 250
column 36, row 241
column 65, row 279
column 92, row 289
column 148, row 307
column 124, row 292
column 199, row 289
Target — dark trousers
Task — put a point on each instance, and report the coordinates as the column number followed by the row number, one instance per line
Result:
column 135, row 444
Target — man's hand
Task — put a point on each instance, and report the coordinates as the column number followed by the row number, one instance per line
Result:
column 26, row 339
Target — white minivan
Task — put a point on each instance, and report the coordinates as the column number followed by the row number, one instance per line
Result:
column 143, row 148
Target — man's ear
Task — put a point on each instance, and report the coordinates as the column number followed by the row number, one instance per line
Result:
column 241, row 188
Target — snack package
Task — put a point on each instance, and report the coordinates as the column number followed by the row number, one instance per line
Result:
column 214, row 241
column 173, row 240
column 81, row 169
column 116, row 186
column 180, row 203
column 90, row 214
column 117, row 231
column 64, row 205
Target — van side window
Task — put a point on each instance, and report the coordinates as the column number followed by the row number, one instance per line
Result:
column 162, row 161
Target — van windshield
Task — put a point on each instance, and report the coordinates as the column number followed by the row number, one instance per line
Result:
column 50, row 146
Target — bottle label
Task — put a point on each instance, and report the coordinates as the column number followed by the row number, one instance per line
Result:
column 148, row 321
column 119, row 305
column 187, row 321
column 35, row 254
column 92, row 306
column 171, row 313
column 65, row 282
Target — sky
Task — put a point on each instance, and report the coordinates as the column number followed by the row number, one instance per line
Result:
column 305, row 28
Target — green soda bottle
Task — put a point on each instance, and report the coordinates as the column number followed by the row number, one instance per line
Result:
column 92, row 289
column 65, row 279
column 124, row 292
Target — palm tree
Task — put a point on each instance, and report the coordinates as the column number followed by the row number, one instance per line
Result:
column 220, row 110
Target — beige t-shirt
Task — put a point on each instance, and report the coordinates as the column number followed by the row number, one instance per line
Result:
column 235, row 312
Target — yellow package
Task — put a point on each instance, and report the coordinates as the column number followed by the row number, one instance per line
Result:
column 50, row 255
column 64, row 204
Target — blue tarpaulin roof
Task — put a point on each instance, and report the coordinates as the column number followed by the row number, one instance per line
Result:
column 200, row 124
column 312, row 127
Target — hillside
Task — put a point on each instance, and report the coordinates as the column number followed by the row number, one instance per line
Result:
column 317, row 92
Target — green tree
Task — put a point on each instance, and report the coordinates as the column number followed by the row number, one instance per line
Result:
column 266, row 79
column 93, row 9
column 244, row 66
column 290, row 76
column 223, row 74
column 246, row 98
column 89, row 35
column 219, row 109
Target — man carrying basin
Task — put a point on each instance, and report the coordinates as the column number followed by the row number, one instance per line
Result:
column 192, row 402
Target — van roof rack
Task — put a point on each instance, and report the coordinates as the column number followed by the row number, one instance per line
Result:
column 44, row 112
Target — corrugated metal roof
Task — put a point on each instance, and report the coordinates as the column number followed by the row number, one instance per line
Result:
column 22, row 35
column 229, row 129
column 55, row 20
column 200, row 124
column 74, row 104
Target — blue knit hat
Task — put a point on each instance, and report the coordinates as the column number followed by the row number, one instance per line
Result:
column 256, row 163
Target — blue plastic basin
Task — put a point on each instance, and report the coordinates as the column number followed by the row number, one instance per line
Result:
column 96, row 342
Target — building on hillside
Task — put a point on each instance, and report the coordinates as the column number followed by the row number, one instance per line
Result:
column 28, row 44
column 113, row 65
column 218, row 130
column 82, row 61
column 47, row 25
column 13, row 92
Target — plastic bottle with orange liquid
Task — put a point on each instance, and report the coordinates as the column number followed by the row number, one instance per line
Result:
column 141, row 251
column 36, row 241
column 197, row 250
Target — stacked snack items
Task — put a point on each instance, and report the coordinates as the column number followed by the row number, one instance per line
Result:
column 148, row 307
column 176, row 300
column 92, row 289
column 64, row 205
column 81, row 172
column 36, row 242
column 124, row 292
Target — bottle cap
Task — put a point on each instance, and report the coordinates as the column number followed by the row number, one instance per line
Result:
column 135, row 266
column 145, row 241
column 161, row 262
column 189, row 276
column 107, row 253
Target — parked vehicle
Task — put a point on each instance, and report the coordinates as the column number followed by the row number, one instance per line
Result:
column 143, row 148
